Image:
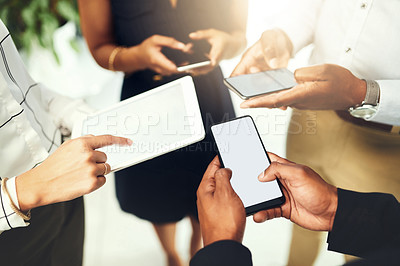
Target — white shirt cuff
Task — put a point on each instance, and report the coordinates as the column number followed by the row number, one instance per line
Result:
column 389, row 104
column 9, row 219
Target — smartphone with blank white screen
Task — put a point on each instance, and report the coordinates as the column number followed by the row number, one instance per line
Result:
column 262, row 83
column 240, row 148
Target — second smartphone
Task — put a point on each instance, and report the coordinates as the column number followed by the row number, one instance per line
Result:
column 262, row 83
column 240, row 148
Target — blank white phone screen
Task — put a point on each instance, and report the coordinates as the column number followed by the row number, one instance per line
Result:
column 263, row 82
column 242, row 151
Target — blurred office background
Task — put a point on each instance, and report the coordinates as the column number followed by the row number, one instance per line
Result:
column 116, row 238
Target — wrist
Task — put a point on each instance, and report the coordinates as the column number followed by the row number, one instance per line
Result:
column 129, row 60
column 222, row 234
column 360, row 91
column 28, row 196
column 333, row 207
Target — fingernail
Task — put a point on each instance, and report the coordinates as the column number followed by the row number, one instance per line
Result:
column 273, row 63
column 129, row 141
column 253, row 70
column 181, row 46
column 244, row 105
column 192, row 35
column 260, row 176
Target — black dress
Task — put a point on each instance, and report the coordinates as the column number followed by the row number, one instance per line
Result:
column 163, row 190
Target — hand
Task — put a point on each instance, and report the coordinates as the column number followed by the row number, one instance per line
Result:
column 310, row 201
column 221, row 212
column 223, row 46
column 321, row 87
column 273, row 50
column 150, row 56
column 73, row 170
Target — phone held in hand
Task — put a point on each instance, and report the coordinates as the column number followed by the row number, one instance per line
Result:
column 187, row 61
column 240, row 148
column 262, row 83
column 188, row 67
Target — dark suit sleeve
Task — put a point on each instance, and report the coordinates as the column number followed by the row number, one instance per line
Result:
column 387, row 257
column 365, row 223
column 221, row 253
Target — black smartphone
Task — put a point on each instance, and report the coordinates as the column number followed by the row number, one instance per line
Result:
column 186, row 61
column 252, row 85
column 240, row 148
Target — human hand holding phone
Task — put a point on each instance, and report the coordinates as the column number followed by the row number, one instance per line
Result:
column 310, row 202
column 320, row 87
column 193, row 58
column 273, row 50
column 150, row 55
column 221, row 212
column 223, row 46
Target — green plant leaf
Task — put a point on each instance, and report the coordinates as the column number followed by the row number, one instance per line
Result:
column 37, row 20
column 68, row 11
column 43, row 4
column 49, row 25
column 28, row 16
column 74, row 44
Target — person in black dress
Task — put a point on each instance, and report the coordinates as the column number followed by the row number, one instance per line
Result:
column 131, row 36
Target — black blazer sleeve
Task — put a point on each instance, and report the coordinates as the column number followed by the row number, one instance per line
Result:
column 365, row 223
column 221, row 253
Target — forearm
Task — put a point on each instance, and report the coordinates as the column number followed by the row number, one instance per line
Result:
column 125, row 59
column 101, row 54
column 97, row 28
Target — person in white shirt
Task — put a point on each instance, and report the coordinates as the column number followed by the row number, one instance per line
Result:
column 353, row 138
column 31, row 121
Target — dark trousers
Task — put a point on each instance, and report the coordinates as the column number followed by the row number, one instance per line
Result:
column 53, row 238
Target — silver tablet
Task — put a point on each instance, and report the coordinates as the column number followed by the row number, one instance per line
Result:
column 158, row 121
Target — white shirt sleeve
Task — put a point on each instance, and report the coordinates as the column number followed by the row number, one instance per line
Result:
column 389, row 104
column 8, row 218
column 299, row 22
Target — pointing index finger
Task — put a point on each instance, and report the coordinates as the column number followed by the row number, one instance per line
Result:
column 107, row 140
